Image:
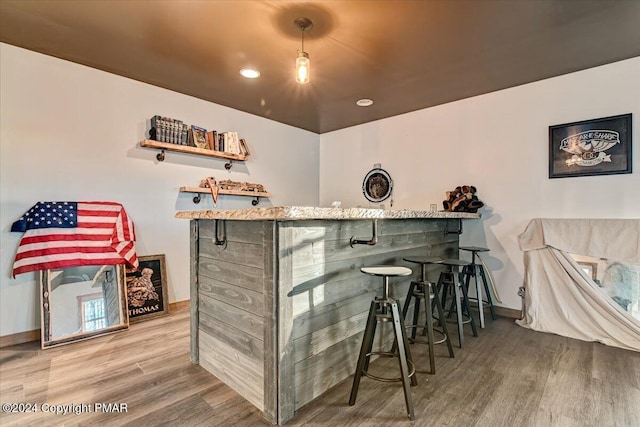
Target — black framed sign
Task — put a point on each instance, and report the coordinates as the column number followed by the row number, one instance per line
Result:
column 147, row 295
column 590, row 147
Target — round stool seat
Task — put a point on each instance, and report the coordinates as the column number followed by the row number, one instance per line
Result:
column 386, row 270
column 423, row 259
column 473, row 249
column 455, row 262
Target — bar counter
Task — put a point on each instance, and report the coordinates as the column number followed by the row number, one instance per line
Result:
column 293, row 213
column 278, row 302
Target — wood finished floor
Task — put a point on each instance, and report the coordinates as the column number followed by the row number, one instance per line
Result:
column 508, row 376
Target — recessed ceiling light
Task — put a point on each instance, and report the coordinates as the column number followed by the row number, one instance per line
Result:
column 250, row 73
column 364, row 102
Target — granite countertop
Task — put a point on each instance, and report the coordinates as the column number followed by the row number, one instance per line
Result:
column 290, row 213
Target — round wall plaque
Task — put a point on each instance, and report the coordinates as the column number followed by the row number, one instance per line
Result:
column 377, row 185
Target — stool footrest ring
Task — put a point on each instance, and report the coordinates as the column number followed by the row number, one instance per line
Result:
column 465, row 317
column 437, row 331
column 412, row 368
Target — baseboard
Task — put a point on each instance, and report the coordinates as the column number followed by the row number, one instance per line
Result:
column 500, row 311
column 179, row 305
column 508, row 312
column 34, row 335
column 19, row 338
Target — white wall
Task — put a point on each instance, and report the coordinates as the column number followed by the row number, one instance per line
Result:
column 499, row 143
column 69, row 132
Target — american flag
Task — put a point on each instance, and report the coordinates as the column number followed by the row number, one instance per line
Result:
column 69, row 234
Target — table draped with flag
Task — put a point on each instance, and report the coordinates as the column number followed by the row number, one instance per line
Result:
column 70, row 234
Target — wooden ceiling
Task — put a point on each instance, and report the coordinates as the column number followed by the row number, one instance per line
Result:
column 405, row 55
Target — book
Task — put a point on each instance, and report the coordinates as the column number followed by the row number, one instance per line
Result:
column 224, row 141
column 172, row 131
column 184, row 134
column 231, row 143
column 244, row 150
column 211, row 138
column 166, row 129
column 199, row 136
column 157, row 126
column 154, row 132
column 234, row 143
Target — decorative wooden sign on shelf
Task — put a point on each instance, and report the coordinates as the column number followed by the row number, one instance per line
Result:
column 227, row 187
column 150, row 143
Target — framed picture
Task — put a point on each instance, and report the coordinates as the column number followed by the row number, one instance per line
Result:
column 147, row 295
column 78, row 303
column 591, row 147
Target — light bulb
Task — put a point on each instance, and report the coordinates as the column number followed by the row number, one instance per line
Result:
column 302, row 67
column 250, row 73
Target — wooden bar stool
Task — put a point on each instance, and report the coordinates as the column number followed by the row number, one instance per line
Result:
column 472, row 271
column 449, row 282
column 385, row 309
column 419, row 290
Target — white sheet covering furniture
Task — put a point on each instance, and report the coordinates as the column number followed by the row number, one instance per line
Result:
column 559, row 297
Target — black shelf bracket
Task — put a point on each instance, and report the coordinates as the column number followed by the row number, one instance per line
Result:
column 160, row 156
column 228, row 165
column 217, row 241
column 196, row 199
column 371, row 242
column 255, row 201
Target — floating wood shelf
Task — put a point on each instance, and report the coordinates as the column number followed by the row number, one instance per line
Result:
column 149, row 143
column 204, row 190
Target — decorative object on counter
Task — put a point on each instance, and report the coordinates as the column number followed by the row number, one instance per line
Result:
column 228, row 187
column 81, row 302
column 377, row 185
column 70, row 234
column 147, row 294
column 590, row 147
column 462, row 199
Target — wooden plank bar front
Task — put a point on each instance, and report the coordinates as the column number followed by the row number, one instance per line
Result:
column 280, row 307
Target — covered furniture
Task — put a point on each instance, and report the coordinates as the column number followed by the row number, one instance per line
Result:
column 559, row 295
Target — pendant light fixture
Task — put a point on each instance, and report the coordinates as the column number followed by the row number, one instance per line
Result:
column 302, row 61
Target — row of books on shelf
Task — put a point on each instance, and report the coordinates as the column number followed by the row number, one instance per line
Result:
column 165, row 129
